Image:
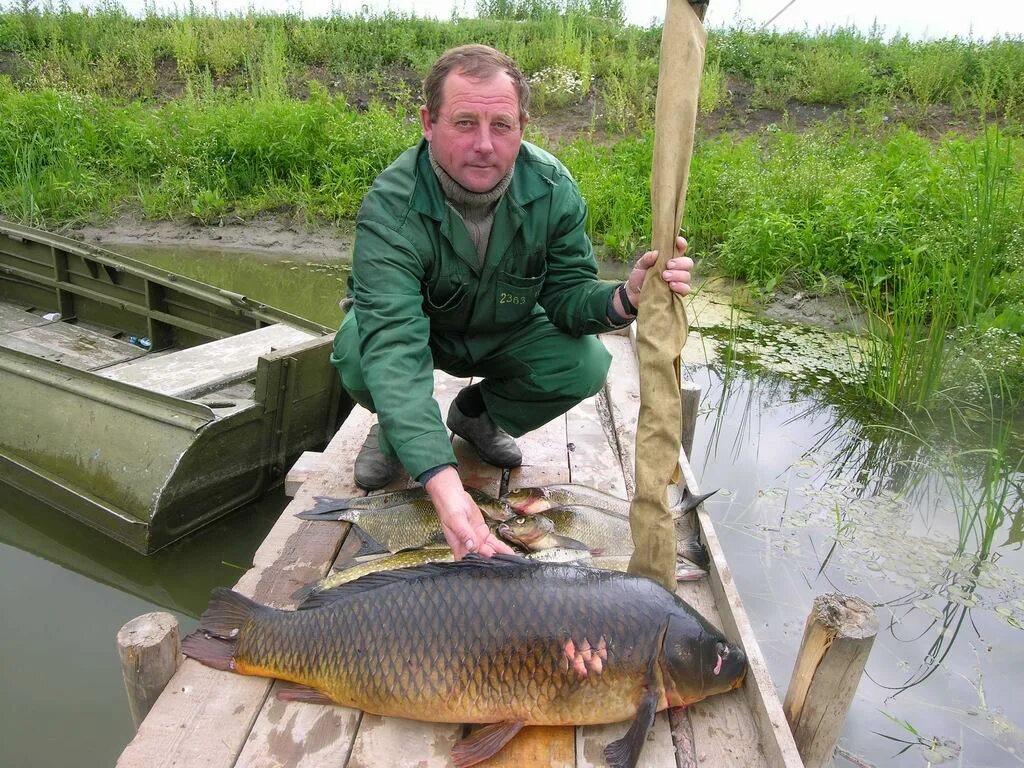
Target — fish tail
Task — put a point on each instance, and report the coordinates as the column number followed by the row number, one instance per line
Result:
column 212, row 651
column 227, row 613
column 343, row 514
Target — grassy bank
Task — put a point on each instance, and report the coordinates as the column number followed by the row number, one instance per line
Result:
column 210, row 117
column 575, row 55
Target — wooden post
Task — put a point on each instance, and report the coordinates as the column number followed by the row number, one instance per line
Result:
column 837, row 640
column 150, row 651
column 690, row 402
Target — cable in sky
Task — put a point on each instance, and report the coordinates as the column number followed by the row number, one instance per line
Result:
column 773, row 18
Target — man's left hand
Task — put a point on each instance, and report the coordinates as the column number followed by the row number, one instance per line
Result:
column 676, row 273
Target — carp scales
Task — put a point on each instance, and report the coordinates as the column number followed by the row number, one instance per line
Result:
column 502, row 642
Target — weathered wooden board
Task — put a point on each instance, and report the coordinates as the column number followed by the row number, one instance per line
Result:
column 722, row 604
column 71, row 345
column 197, row 369
column 593, row 460
column 622, row 389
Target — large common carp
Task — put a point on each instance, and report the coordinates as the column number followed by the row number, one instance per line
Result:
column 503, row 642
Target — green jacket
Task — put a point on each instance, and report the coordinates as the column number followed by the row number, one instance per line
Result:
column 417, row 281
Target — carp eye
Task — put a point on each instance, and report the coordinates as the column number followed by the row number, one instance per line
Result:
column 520, row 521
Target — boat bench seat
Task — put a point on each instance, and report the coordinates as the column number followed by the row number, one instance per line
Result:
column 190, row 372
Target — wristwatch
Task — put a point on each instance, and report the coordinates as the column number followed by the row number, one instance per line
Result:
column 626, row 303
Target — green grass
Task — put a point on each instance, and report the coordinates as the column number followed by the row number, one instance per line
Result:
column 210, row 116
column 108, row 52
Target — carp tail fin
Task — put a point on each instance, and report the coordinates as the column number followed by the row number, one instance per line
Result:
column 227, row 613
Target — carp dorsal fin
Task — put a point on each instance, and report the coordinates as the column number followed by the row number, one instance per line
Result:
column 382, row 579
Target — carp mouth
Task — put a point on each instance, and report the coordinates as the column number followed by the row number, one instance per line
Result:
column 725, row 653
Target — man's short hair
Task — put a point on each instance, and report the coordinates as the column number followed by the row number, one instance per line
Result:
column 477, row 62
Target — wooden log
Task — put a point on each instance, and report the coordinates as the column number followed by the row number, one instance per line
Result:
column 689, row 403
column 837, row 640
column 150, row 651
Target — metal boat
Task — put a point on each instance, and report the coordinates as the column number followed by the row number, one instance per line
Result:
column 142, row 402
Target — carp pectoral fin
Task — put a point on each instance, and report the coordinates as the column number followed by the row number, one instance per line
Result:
column 483, row 743
column 625, row 752
column 303, row 693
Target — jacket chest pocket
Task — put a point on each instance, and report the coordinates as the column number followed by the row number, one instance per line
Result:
column 447, row 304
column 516, row 297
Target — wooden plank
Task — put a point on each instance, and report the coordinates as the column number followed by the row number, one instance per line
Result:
column 623, row 394
column 392, row 741
column 304, row 467
column 204, row 716
column 538, row 745
column 592, row 459
column 765, row 710
column 188, row 372
column 658, row 751
column 71, row 345
column 299, row 735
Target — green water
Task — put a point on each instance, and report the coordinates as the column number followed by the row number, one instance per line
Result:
column 66, row 591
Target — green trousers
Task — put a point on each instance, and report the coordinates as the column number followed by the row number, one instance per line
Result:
column 530, row 376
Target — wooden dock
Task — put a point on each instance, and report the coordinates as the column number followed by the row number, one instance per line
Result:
column 217, row 719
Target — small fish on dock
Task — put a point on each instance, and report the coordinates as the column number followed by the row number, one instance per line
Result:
column 502, row 642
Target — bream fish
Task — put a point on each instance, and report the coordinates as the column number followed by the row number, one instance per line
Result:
column 529, row 533
column 534, row 500
column 502, row 642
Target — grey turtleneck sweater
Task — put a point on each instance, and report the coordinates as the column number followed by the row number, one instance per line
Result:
column 476, row 209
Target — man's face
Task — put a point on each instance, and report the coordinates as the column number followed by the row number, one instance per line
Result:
column 478, row 131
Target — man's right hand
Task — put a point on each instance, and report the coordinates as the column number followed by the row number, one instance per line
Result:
column 461, row 520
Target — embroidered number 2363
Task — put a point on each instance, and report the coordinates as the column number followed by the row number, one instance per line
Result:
column 510, row 298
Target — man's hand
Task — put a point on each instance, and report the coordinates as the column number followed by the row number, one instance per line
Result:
column 461, row 519
column 676, row 274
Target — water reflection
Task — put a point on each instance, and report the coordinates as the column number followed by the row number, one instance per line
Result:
column 67, row 589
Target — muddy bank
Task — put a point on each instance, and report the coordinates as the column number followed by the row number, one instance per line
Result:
column 260, row 234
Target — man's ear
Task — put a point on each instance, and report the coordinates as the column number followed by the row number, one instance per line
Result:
column 425, row 123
